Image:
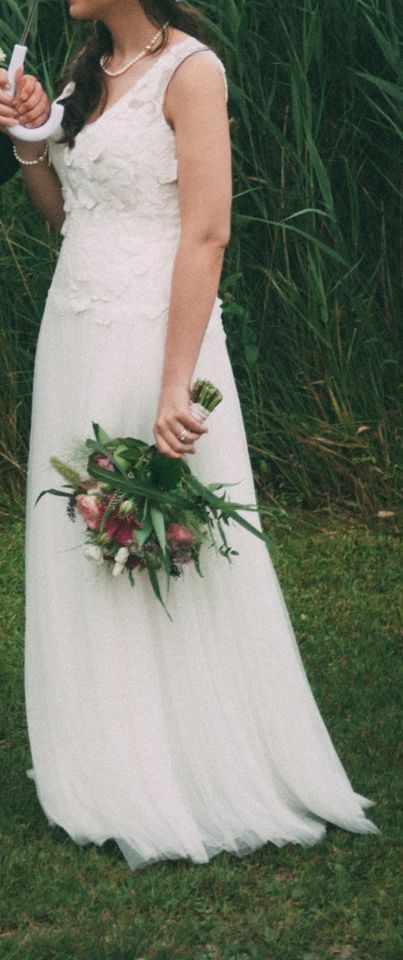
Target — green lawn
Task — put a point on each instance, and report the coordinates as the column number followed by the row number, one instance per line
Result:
column 337, row 899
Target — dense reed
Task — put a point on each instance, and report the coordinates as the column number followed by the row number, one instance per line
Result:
column 312, row 284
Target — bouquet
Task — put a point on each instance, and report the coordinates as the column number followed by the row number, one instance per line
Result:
column 145, row 511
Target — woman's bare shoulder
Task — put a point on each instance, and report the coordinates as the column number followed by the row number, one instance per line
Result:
column 198, row 82
column 201, row 69
column 176, row 36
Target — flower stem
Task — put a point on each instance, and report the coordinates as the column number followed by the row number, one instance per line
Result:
column 206, row 394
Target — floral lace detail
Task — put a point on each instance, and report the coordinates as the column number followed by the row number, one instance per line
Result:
column 119, row 182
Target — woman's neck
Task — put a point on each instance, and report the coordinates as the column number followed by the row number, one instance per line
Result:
column 131, row 30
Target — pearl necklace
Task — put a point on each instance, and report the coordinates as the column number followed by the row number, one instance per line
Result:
column 117, row 73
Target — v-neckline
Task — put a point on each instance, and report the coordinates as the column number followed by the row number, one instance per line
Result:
column 88, row 126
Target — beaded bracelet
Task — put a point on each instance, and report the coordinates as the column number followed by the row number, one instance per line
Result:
column 31, row 163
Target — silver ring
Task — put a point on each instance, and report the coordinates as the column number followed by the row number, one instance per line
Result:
column 182, row 436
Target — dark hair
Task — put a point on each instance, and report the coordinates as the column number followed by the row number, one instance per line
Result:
column 85, row 70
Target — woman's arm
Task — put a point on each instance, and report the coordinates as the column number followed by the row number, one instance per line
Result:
column 8, row 163
column 30, row 106
column 196, row 107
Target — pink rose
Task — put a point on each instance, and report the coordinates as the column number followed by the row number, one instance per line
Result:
column 104, row 462
column 91, row 510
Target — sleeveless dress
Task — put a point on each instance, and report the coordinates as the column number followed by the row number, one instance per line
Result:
column 183, row 738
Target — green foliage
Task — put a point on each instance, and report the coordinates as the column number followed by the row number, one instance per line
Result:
column 313, row 292
column 333, row 901
column 312, row 284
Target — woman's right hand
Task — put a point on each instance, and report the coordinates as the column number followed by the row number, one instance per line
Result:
column 29, row 106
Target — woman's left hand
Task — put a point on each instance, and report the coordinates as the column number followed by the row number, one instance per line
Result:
column 173, row 417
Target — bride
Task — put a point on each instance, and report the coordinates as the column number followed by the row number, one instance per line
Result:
column 183, row 738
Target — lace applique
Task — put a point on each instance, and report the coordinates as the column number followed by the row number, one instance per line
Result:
column 119, row 183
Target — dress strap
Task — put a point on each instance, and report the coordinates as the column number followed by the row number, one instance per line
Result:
column 175, row 56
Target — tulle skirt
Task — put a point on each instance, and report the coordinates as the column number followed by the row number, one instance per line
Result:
column 177, row 738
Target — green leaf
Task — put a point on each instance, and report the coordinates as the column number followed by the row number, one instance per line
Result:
column 248, row 526
column 57, row 493
column 119, row 458
column 223, row 537
column 166, row 471
column 100, row 434
column 157, row 520
column 135, row 444
column 156, row 588
column 142, row 535
column 196, row 558
column 121, row 482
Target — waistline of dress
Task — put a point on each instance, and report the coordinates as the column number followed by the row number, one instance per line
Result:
column 127, row 224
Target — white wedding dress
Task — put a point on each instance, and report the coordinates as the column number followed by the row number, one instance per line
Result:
column 183, row 738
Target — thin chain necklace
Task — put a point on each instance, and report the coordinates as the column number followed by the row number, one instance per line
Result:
column 117, row 73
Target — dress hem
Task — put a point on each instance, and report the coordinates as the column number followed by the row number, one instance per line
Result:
column 207, row 851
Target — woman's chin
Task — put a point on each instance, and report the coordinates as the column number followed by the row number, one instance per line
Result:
column 78, row 10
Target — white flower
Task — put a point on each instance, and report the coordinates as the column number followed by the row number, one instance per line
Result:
column 120, row 561
column 3, row 56
column 122, row 555
column 93, row 552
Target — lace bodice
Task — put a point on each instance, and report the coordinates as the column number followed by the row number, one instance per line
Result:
column 119, row 183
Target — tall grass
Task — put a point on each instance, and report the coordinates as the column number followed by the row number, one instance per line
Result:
column 312, row 284
column 316, row 94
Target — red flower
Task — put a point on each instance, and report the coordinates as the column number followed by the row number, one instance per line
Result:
column 181, row 541
column 121, row 531
column 119, row 528
column 179, row 534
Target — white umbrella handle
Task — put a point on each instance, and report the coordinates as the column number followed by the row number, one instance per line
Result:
column 52, row 125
